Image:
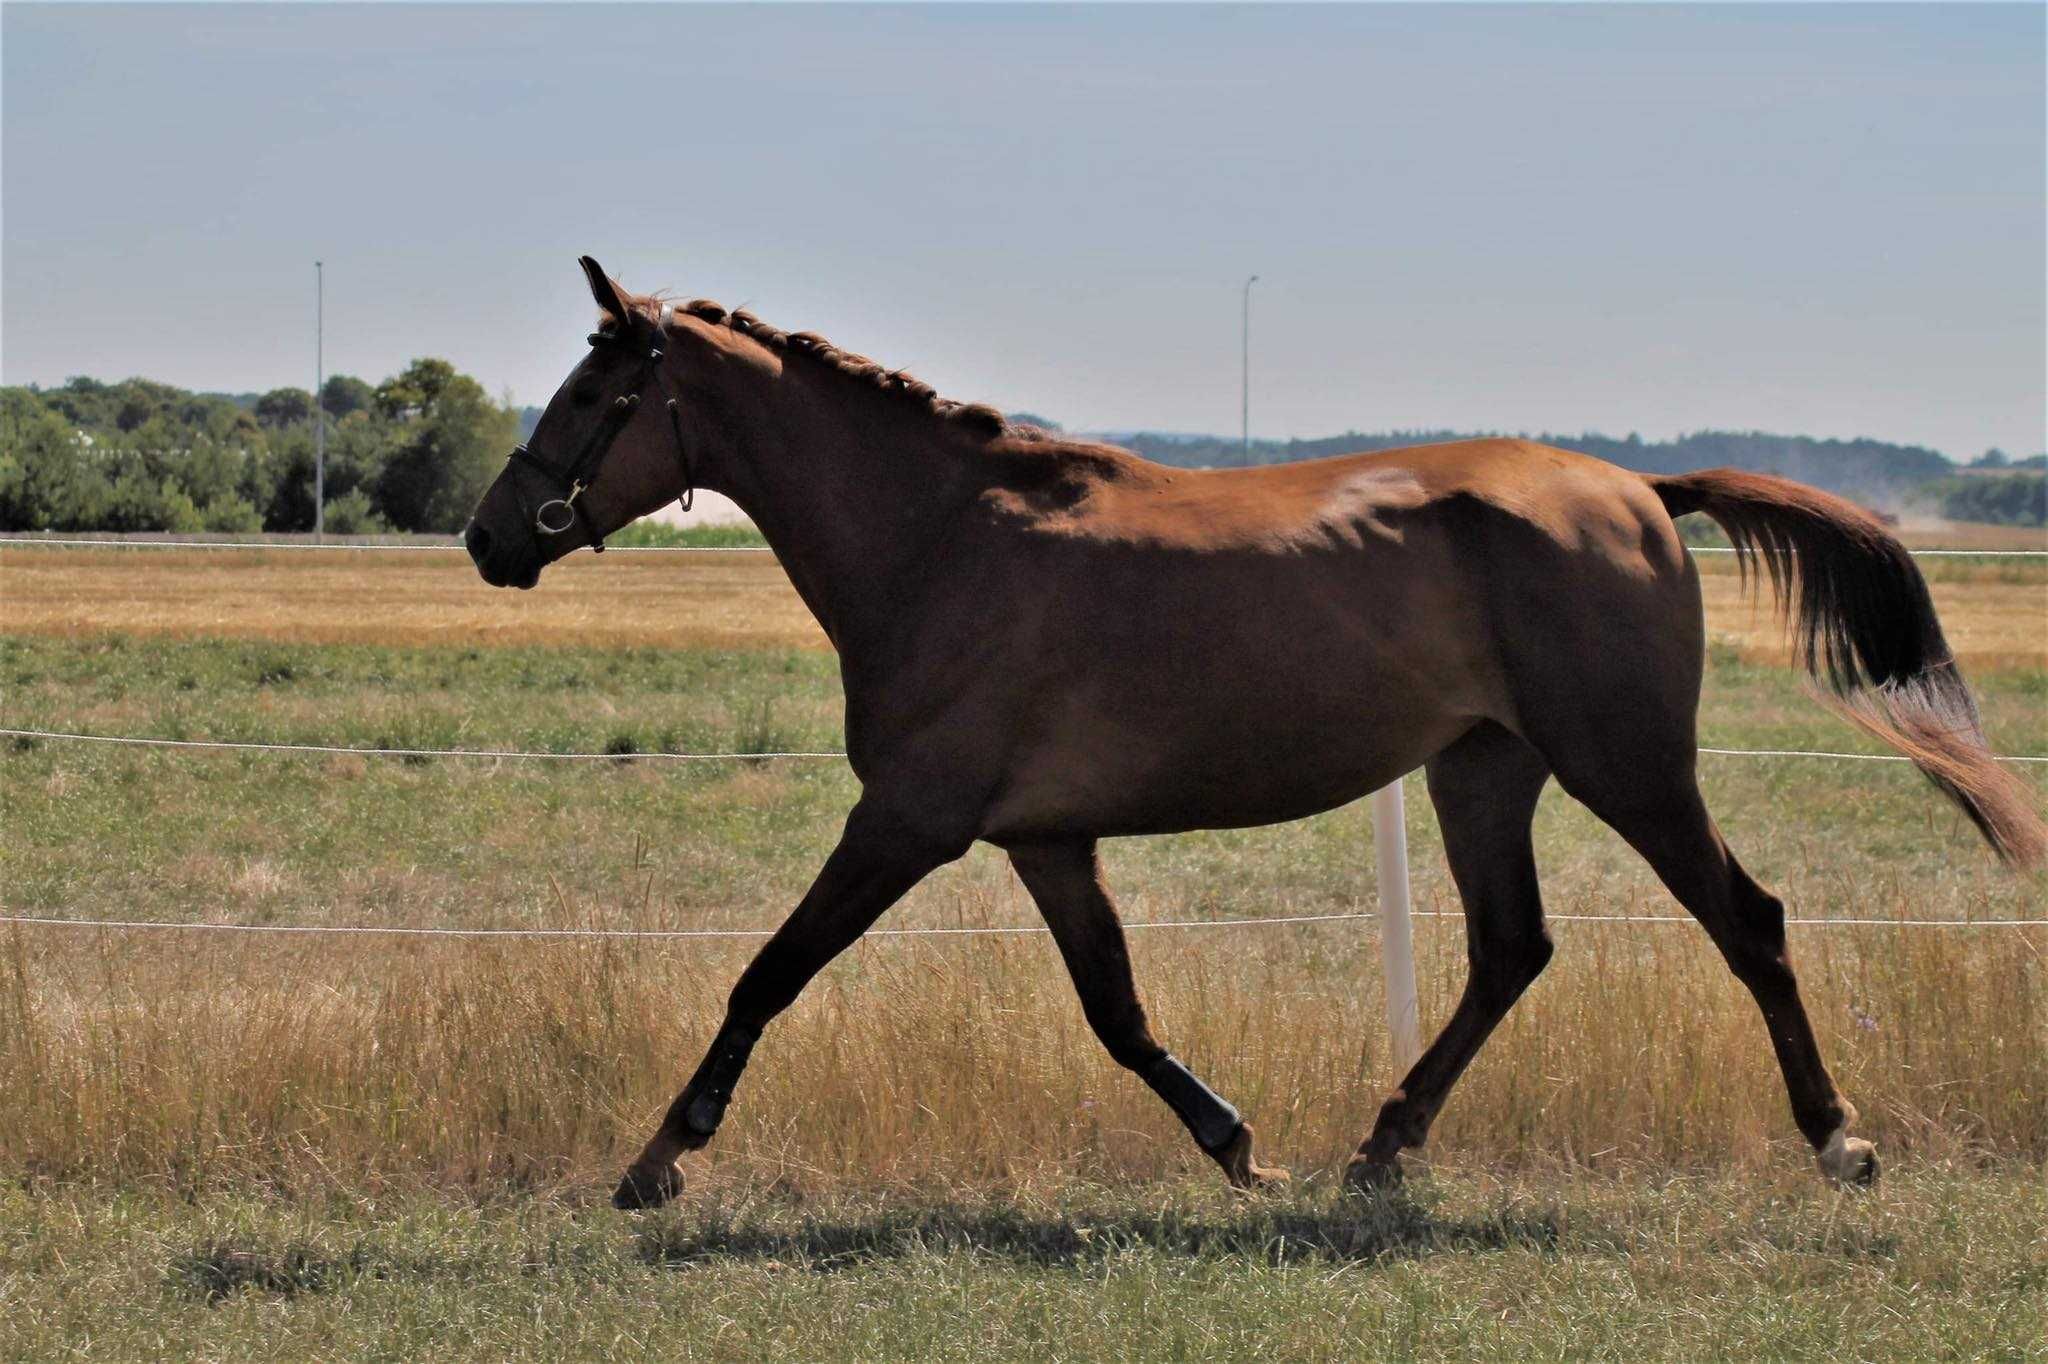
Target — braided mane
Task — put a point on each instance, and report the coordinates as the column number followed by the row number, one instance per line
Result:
column 978, row 418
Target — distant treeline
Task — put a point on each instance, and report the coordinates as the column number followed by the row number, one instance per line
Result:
column 410, row 454
column 2017, row 498
column 415, row 452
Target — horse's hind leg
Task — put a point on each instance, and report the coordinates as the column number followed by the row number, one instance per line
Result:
column 1656, row 806
column 1484, row 788
column 1065, row 879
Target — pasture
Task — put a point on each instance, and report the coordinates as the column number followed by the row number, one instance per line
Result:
column 245, row 1145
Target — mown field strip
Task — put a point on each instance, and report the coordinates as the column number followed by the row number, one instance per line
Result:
column 1995, row 615
column 1946, row 1264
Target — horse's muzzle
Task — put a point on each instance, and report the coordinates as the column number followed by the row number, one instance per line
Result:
column 501, row 561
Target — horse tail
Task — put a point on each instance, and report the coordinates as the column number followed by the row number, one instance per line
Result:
column 1865, row 630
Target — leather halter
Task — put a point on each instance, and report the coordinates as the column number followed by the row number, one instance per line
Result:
column 556, row 515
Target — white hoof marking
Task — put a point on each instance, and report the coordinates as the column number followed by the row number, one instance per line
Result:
column 1846, row 1158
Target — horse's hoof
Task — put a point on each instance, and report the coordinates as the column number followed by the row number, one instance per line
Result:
column 640, row 1188
column 1370, row 1178
column 1850, row 1160
column 1241, row 1170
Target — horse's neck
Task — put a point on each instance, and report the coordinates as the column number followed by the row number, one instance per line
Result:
column 847, row 505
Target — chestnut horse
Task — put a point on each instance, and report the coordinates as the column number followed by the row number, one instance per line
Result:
column 1047, row 642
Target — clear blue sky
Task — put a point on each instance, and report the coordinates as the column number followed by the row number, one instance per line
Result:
column 1821, row 219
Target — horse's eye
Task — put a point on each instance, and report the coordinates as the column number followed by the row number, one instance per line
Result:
column 584, row 392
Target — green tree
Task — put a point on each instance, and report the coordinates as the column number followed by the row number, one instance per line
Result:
column 450, row 438
column 351, row 514
column 47, row 479
column 343, row 394
column 282, row 407
column 230, row 512
column 414, row 392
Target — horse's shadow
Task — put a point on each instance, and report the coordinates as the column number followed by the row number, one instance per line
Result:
column 1342, row 1232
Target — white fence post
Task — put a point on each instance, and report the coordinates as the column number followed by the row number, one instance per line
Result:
column 1397, row 942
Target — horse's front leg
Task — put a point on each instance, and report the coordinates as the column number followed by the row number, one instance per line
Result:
column 877, row 860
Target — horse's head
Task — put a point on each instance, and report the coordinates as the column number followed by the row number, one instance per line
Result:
column 609, row 448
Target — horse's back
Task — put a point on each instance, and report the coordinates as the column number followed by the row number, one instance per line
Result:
column 1425, row 499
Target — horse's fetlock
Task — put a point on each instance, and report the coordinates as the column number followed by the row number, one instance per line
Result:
column 1402, row 1124
column 695, row 1115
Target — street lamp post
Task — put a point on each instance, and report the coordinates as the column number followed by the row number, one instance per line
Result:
column 1248, row 367
column 319, row 400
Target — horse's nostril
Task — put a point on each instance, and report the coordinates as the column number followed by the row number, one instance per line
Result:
column 478, row 539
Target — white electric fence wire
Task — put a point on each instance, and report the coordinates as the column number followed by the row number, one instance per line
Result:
column 404, row 752
column 62, row 542
column 78, row 542
column 662, row 756
column 1854, row 757
column 349, row 930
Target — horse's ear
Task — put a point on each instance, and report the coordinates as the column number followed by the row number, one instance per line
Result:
column 604, row 291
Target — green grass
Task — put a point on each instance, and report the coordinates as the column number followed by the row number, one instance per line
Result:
column 1942, row 1264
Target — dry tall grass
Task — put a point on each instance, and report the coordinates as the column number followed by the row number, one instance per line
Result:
column 204, row 1061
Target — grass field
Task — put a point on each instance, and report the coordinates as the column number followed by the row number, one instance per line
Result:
column 288, row 1146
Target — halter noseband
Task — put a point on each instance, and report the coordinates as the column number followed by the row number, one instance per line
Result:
column 556, row 515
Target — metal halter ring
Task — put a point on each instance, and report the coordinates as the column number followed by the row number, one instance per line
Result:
column 568, row 512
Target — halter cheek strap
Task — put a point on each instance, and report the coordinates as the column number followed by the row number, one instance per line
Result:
column 675, row 414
